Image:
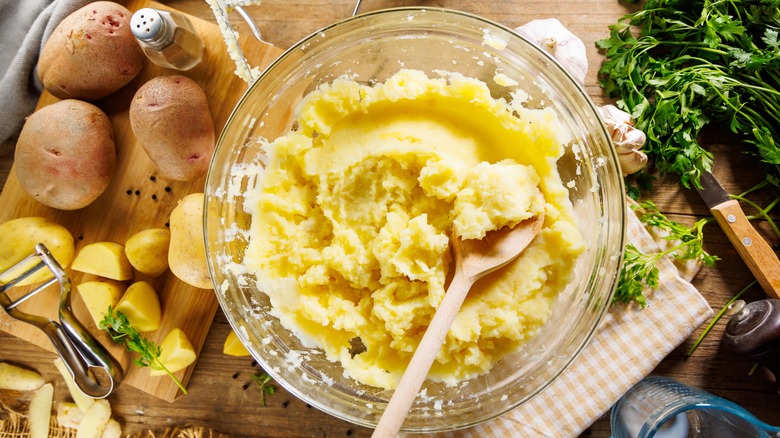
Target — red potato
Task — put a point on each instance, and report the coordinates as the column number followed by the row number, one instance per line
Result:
column 65, row 156
column 91, row 53
column 170, row 117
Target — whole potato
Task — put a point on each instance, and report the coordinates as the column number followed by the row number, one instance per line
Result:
column 170, row 117
column 147, row 251
column 187, row 253
column 18, row 238
column 91, row 53
column 65, row 156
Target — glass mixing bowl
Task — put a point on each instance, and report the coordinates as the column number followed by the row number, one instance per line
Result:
column 370, row 48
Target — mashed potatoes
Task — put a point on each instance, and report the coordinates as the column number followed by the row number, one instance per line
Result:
column 350, row 236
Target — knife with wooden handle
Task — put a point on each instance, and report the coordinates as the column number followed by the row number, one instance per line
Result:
column 754, row 250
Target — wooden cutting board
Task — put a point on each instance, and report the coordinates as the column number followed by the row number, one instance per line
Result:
column 138, row 198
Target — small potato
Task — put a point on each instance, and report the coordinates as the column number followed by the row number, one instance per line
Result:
column 18, row 238
column 187, row 253
column 91, row 53
column 104, row 259
column 98, row 295
column 66, row 155
column 170, row 117
column 147, row 251
column 176, row 352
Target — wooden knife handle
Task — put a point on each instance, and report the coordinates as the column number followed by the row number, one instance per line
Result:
column 754, row 250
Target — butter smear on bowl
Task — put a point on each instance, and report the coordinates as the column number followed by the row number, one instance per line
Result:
column 356, row 205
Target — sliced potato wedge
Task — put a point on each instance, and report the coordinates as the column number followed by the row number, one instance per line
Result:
column 177, row 352
column 233, row 346
column 105, row 259
column 98, row 295
column 142, row 306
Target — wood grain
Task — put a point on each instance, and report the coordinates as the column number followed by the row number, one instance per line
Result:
column 218, row 400
column 138, row 198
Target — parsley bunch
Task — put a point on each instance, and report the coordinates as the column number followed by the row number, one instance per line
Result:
column 640, row 271
column 694, row 63
column 119, row 329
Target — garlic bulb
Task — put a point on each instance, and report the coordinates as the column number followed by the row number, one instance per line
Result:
column 627, row 139
column 563, row 45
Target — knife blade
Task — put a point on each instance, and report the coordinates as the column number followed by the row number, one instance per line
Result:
column 754, row 250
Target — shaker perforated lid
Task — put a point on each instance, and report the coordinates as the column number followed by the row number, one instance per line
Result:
column 146, row 24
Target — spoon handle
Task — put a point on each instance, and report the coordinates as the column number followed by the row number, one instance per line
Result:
column 414, row 376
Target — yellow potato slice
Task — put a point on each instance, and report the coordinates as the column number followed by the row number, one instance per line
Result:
column 177, row 352
column 147, row 251
column 233, row 346
column 142, row 306
column 18, row 238
column 95, row 420
column 39, row 412
column 98, row 295
column 105, row 259
column 19, row 379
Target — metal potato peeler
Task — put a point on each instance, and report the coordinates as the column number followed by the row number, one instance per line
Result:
column 93, row 369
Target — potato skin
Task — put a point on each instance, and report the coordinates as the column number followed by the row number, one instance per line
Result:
column 91, row 53
column 187, row 253
column 65, row 156
column 170, row 117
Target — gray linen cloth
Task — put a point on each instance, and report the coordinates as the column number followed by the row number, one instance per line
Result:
column 24, row 27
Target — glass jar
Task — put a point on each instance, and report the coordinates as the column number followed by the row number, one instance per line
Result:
column 167, row 38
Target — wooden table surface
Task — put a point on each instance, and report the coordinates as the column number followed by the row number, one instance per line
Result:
column 222, row 396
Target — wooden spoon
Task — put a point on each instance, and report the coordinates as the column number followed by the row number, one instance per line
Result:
column 474, row 259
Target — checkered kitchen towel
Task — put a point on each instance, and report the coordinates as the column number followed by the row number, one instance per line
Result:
column 627, row 346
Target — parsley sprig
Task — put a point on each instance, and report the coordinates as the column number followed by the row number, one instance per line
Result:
column 693, row 63
column 264, row 384
column 640, row 271
column 122, row 332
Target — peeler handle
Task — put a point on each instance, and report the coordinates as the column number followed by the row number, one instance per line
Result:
column 79, row 350
column 83, row 356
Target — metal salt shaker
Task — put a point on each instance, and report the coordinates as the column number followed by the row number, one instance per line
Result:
column 167, row 38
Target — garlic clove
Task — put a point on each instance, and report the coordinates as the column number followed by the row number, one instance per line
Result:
column 632, row 162
column 627, row 139
column 564, row 46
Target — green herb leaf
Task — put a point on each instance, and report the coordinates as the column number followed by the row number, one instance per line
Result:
column 692, row 63
column 262, row 380
column 118, row 327
column 639, row 271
